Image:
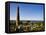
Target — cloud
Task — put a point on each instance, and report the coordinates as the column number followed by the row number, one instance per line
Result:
column 12, row 18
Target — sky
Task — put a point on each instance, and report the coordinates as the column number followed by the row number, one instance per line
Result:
column 27, row 11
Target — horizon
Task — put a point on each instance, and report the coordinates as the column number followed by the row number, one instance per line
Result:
column 30, row 20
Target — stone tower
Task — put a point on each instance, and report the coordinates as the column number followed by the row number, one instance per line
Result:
column 17, row 17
